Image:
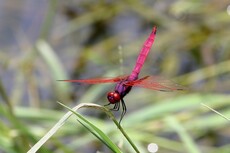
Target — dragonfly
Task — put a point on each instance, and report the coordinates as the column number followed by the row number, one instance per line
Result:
column 125, row 83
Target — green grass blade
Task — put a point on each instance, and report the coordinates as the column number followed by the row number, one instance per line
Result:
column 54, row 65
column 114, row 120
column 186, row 138
column 173, row 105
column 100, row 137
column 95, row 131
column 225, row 117
column 59, row 124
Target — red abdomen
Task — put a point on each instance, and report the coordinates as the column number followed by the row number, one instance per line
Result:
column 142, row 56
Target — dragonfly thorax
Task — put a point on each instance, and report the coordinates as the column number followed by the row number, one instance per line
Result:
column 119, row 92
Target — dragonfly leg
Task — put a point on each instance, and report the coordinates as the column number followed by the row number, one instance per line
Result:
column 116, row 107
column 107, row 104
column 123, row 110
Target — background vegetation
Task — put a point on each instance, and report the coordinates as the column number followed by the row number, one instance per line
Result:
column 43, row 41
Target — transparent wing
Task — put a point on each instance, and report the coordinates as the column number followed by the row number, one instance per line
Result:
column 98, row 80
column 156, row 83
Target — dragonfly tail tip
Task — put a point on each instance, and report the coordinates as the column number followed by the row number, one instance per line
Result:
column 154, row 29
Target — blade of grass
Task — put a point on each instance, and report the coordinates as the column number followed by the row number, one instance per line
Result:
column 52, row 131
column 102, row 137
column 5, row 97
column 216, row 112
column 104, row 109
column 55, row 66
column 49, row 19
column 61, row 122
column 173, row 105
column 94, row 130
column 186, row 138
column 205, row 73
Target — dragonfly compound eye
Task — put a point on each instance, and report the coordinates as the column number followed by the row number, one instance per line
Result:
column 113, row 97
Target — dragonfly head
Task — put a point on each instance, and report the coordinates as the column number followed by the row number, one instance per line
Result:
column 113, row 97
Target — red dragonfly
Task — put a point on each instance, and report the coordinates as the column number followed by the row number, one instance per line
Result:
column 125, row 83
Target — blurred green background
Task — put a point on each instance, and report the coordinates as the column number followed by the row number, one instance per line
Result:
column 43, row 41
